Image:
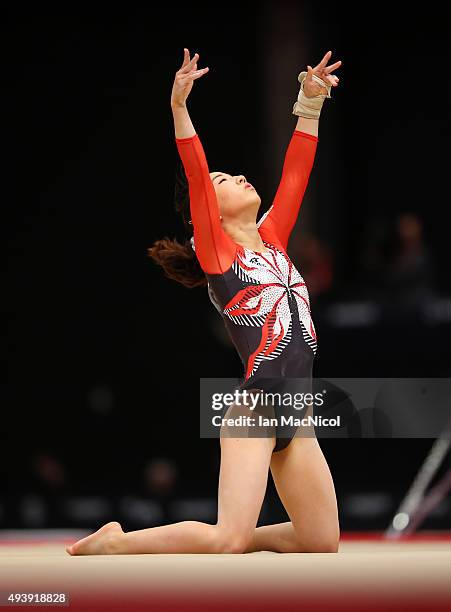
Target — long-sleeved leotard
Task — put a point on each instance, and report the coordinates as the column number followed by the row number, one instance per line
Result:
column 262, row 298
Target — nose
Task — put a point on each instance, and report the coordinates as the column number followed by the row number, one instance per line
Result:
column 241, row 178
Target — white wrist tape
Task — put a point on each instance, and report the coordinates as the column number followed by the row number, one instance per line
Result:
column 310, row 107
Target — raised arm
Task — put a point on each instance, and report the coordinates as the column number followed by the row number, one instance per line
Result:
column 279, row 220
column 214, row 248
column 298, row 163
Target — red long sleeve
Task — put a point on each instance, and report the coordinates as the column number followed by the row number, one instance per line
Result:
column 215, row 250
column 279, row 220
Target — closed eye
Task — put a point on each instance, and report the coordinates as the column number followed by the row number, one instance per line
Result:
column 224, row 179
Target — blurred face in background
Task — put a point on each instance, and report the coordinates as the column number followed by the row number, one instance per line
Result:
column 410, row 229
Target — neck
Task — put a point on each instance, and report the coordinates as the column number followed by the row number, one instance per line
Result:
column 244, row 233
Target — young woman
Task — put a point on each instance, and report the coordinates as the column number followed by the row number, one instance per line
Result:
column 265, row 306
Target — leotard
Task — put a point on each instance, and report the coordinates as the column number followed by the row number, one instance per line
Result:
column 261, row 296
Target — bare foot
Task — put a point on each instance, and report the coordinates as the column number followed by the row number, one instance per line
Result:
column 98, row 543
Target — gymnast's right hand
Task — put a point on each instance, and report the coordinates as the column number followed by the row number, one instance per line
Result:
column 183, row 82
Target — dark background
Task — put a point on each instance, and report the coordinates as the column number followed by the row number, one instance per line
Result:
column 104, row 352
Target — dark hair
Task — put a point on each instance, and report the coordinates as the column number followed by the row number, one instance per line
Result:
column 178, row 259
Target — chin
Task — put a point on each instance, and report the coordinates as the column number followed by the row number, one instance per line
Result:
column 256, row 197
column 258, row 200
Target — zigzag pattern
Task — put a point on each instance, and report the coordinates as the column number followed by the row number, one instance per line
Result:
column 275, row 353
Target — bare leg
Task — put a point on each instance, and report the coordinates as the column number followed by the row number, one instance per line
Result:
column 306, row 489
column 280, row 537
column 242, row 485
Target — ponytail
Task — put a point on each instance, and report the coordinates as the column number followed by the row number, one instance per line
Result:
column 178, row 259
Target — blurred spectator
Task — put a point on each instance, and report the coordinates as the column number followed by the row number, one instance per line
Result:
column 410, row 278
column 160, row 477
column 50, row 484
column 314, row 261
column 48, row 471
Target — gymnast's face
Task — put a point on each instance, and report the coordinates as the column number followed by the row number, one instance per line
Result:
column 236, row 197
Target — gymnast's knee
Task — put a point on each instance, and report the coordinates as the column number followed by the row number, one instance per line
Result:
column 327, row 546
column 323, row 543
column 231, row 541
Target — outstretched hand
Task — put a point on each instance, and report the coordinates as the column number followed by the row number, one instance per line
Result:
column 184, row 78
column 321, row 70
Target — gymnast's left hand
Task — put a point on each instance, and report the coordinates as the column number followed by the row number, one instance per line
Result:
column 324, row 72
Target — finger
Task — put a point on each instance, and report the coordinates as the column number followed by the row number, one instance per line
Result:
column 332, row 67
column 195, row 73
column 199, row 73
column 310, row 73
column 185, row 58
column 324, row 61
column 190, row 64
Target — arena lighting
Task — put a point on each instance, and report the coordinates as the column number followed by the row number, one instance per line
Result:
column 416, row 505
column 368, row 313
column 353, row 314
column 141, row 511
